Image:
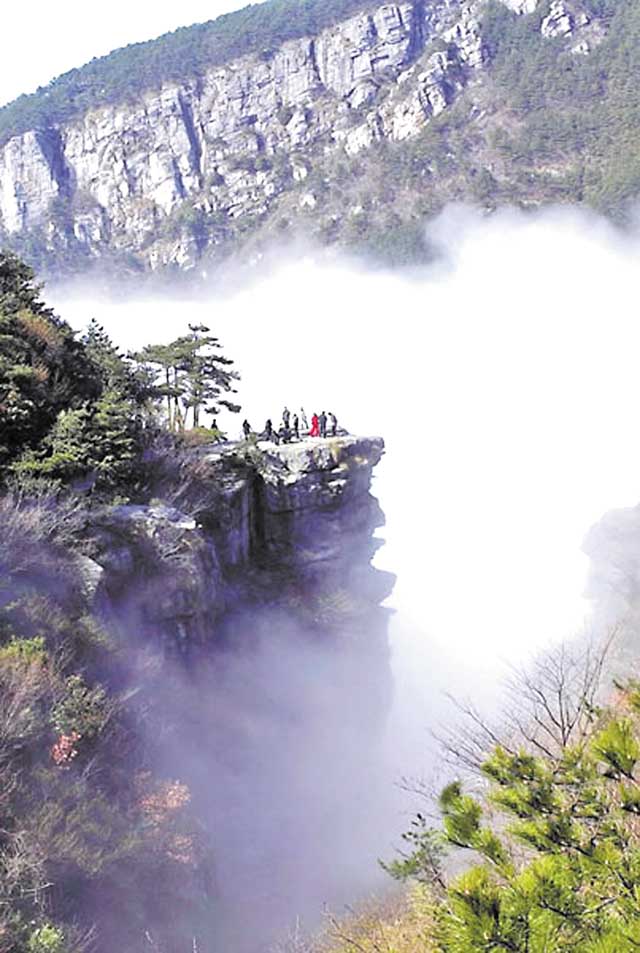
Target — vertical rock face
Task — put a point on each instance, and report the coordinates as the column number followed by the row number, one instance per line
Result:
column 252, row 637
column 294, row 524
column 169, row 178
column 28, row 183
column 161, row 178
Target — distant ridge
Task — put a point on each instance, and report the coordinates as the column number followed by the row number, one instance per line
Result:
column 179, row 56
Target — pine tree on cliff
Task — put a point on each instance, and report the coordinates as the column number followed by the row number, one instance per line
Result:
column 191, row 375
column 207, row 374
column 158, row 361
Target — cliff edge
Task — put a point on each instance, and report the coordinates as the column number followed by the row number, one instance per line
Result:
column 249, row 525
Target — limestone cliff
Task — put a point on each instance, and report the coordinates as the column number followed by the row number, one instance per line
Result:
column 194, row 167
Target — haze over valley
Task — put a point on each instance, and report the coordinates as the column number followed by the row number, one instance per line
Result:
column 502, row 379
column 368, row 690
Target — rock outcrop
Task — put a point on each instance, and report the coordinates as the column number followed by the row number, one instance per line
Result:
column 166, row 179
column 289, row 527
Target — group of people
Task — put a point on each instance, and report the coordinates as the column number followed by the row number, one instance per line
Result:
column 295, row 426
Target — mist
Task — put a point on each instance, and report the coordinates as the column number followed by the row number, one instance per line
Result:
column 504, row 379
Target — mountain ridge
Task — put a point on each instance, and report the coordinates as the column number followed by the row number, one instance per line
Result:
column 216, row 41
column 353, row 136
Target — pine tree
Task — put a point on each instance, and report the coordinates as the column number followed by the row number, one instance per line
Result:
column 207, row 374
column 43, row 368
column 190, row 375
column 561, row 871
column 113, row 368
column 114, row 441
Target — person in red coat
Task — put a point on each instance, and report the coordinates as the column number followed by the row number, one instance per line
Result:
column 315, row 426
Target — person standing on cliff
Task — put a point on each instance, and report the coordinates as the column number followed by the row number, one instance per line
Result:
column 334, row 424
column 315, row 426
column 268, row 430
column 246, row 429
column 323, row 424
column 295, row 423
column 286, row 418
column 304, row 423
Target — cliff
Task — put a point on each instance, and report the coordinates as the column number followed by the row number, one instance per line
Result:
column 259, row 146
column 255, row 640
column 193, row 689
column 289, row 526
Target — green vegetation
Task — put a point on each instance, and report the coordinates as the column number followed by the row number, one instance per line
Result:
column 78, row 410
column 192, row 376
column 87, row 828
column 544, row 826
column 97, row 849
column 579, row 112
column 43, row 369
column 546, row 835
column 176, row 57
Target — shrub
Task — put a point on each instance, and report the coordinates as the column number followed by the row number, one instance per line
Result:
column 24, row 652
column 559, row 869
column 200, row 436
column 35, row 529
column 82, row 711
column 46, row 939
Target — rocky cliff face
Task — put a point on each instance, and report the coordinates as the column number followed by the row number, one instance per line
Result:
column 238, row 625
column 288, row 527
column 253, row 639
column 190, row 168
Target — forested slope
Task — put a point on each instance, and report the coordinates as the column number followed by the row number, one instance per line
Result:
column 175, row 57
column 349, row 123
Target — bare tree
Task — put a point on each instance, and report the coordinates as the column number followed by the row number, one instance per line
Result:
column 548, row 706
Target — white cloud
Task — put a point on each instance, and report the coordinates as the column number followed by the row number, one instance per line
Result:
column 506, row 385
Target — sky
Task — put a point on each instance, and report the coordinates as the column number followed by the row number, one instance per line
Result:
column 40, row 40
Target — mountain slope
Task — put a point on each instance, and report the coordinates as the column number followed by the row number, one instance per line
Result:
column 352, row 133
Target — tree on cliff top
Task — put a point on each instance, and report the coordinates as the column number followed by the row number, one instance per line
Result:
column 191, row 375
column 77, row 409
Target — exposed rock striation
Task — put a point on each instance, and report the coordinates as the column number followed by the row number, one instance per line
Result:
column 160, row 179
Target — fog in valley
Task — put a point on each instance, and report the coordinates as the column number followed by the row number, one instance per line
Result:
column 504, row 379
